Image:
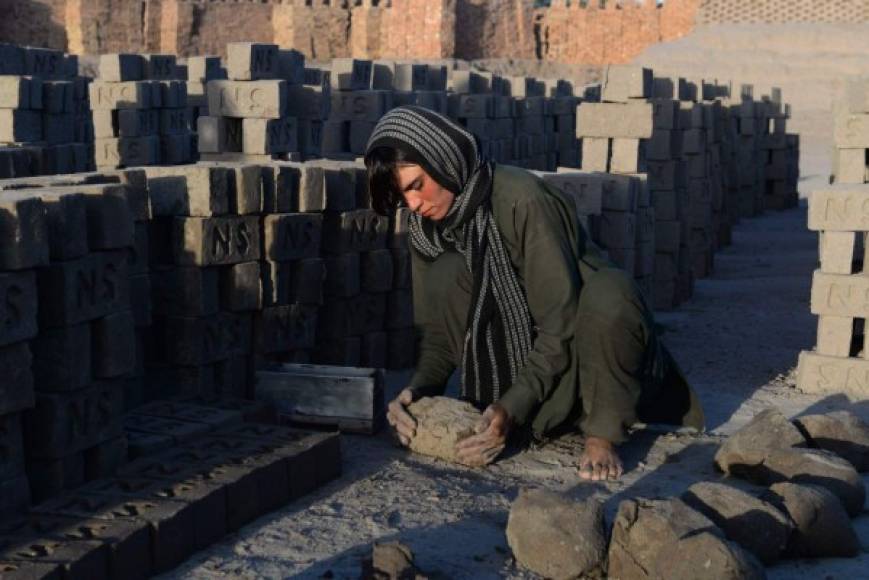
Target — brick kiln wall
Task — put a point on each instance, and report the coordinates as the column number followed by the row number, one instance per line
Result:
column 613, row 33
column 781, row 11
column 35, row 22
column 568, row 31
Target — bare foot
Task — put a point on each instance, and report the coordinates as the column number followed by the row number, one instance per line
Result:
column 599, row 460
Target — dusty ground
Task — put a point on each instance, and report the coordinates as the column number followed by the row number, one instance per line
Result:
column 737, row 339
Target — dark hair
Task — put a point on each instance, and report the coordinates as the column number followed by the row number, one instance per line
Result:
column 383, row 187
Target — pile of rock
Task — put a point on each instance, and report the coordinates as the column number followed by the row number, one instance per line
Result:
column 810, row 465
column 44, row 114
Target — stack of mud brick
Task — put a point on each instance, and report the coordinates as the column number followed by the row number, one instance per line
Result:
column 515, row 120
column 355, row 107
column 618, row 137
column 782, row 150
column 586, row 192
column 478, row 102
column 255, row 114
column 204, row 254
column 23, row 234
column 529, row 135
column 140, row 112
column 840, row 361
column 292, row 269
column 751, row 121
column 367, row 315
column 668, row 184
column 562, row 146
column 413, row 83
column 851, row 133
column 198, row 70
column 729, row 214
column 77, row 237
column 697, row 119
column 154, row 514
column 314, row 102
column 44, row 114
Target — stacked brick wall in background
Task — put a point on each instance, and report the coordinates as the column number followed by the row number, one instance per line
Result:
column 567, row 31
column 255, row 114
column 45, row 114
column 355, row 108
column 618, row 137
column 704, row 160
column 140, row 112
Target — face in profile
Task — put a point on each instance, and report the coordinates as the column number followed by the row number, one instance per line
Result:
column 422, row 194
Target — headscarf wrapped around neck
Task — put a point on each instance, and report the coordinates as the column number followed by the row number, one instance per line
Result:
column 500, row 328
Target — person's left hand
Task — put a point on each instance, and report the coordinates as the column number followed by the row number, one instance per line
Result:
column 490, row 440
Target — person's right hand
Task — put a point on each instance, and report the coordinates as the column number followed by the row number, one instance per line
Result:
column 400, row 419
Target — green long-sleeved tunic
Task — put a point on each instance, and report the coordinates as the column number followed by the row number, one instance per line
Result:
column 596, row 361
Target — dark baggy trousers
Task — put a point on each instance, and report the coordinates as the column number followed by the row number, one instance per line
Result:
column 624, row 373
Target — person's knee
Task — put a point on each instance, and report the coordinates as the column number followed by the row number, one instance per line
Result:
column 612, row 298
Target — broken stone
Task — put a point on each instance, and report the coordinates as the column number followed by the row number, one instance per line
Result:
column 392, row 561
column 556, row 537
column 668, row 539
column 821, row 525
column 813, row 466
column 841, row 432
column 441, row 423
column 716, row 558
column 752, row 523
column 750, row 445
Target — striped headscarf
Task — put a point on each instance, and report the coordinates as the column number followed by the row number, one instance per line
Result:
column 500, row 328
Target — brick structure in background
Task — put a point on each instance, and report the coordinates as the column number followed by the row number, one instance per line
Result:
column 46, row 125
column 702, row 160
column 140, row 114
column 567, row 31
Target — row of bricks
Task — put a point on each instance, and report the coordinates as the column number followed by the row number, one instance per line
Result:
column 162, row 509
